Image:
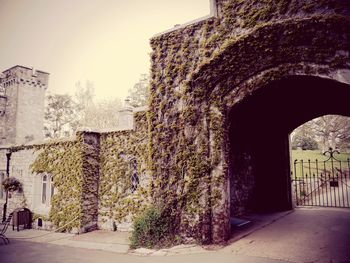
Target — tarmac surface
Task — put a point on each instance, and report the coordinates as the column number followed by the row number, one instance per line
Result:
column 302, row 235
column 305, row 235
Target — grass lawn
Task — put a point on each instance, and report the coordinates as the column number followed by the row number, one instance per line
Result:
column 314, row 168
column 313, row 155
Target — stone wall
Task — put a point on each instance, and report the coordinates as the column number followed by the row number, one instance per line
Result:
column 202, row 70
column 30, row 113
column 123, row 155
column 25, row 95
column 20, row 168
column 8, row 120
column 92, row 177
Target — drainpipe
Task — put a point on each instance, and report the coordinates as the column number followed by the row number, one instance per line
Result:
column 8, row 158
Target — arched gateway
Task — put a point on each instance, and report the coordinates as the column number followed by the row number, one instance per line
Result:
column 226, row 91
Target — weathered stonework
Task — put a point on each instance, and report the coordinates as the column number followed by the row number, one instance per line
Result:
column 20, row 168
column 24, row 93
column 219, row 87
column 91, row 175
column 91, row 178
column 122, row 154
column 201, row 71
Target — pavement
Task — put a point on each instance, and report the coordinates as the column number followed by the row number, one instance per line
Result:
column 301, row 235
column 101, row 239
column 31, row 252
column 119, row 241
column 305, row 235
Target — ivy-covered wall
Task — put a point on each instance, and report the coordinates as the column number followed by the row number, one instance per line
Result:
column 64, row 161
column 180, row 149
column 123, row 154
column 92, row 176
column 200, row 71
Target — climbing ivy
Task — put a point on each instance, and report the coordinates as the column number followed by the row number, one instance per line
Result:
column 199, row 71
column 117, row 202
column 63, row 161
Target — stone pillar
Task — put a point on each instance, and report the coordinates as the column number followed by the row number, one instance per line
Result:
column 90, row 149
column 219, row 175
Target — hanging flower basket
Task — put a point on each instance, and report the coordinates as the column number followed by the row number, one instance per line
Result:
column 12, row 184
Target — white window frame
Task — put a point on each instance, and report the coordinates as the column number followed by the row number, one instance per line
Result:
column 49, row 189
column 44, row 193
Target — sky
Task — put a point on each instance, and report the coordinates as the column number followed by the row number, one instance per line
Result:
column 103, row 41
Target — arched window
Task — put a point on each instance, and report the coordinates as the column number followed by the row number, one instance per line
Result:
column 134, row 177
column 52, row 188
column 47, row 189
column 43, row 189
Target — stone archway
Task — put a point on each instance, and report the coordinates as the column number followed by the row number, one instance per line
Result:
column 259, row 171
column 202, row 76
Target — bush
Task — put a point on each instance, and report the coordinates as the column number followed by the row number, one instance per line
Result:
column 150, row 229
column 305, row 143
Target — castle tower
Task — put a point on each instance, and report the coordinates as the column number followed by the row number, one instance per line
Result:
column 22, row 96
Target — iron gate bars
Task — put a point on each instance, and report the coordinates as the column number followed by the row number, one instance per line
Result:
column 322, row 183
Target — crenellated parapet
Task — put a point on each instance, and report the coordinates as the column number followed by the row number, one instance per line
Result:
column 22, row 96
column 24, row 75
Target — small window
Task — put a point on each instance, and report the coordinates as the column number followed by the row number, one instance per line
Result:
column 2, row 178
column 134, row 177
column 43, row 191
column 52, row 188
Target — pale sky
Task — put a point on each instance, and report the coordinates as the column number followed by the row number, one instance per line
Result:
column 105, row 41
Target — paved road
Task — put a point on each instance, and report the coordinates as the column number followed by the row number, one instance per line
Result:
column 29, row 252
column 305, row 235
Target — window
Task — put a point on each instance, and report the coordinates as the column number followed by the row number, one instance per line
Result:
column 43, row 189
column 52, row 189
column 47, row 189
column 2, row 178
column 134, row 177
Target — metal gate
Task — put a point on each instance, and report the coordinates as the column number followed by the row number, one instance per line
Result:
column 322, row 183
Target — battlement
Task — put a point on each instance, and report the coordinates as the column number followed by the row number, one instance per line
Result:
column 25, row 75
column 22, row 96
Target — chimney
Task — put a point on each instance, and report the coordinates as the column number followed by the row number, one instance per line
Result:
column 126, row 116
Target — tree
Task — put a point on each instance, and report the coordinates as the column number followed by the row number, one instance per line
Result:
column 84, row 98
column 139, row 94
column 100, row 115
column 103, row 115
column 305, row 143
column 65, row 115
column 332, row 130
column 302, row 137
column 60, row 115
column 328, row 131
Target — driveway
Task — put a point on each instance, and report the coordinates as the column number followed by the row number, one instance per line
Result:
column 31, row 252
column 305, row 235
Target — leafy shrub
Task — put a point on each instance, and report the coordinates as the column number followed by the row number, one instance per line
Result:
column 150, row 229
column 305, row 143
